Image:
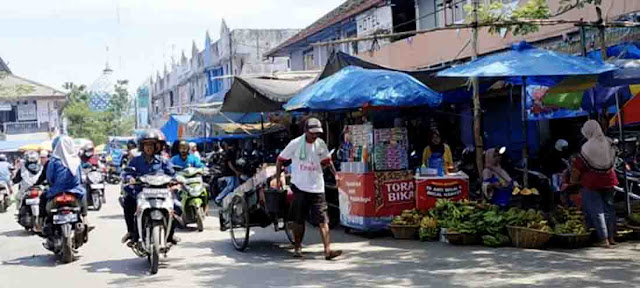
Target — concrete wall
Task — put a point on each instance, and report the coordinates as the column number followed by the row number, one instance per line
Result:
column 442, row 46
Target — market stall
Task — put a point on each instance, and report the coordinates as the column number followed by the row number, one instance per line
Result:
column 376, row 180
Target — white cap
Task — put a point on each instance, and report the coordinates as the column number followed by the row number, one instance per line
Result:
column 44, row 153
column 314, row 125
column 192, row 144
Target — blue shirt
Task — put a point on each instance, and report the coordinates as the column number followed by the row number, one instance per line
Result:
column 5, row 171
column 61, row 179
column 191, row 161
column 157, row 165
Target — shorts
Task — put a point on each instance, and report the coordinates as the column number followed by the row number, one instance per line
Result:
column 308, row 206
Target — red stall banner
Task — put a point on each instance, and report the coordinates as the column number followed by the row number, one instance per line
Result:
column 357, row 190
column 432, row 189
column 395, row 191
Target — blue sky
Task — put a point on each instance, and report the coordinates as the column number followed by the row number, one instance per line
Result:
column 53, row 42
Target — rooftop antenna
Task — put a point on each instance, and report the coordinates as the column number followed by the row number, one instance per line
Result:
column 107, row 69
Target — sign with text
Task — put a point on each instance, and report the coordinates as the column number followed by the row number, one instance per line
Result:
column 432, row 189
column 27, row 112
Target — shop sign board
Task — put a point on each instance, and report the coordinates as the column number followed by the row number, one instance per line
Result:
column 432, row 189
column 27, row 112
column 5, row 106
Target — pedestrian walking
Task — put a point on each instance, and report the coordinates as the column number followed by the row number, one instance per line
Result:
column 308, row 154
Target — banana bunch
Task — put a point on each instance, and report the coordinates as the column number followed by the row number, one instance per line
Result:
column 634, row 219
column 539, row 225
column 408, row 217
column 525, row 191
column 571, row 227
column 428, row 222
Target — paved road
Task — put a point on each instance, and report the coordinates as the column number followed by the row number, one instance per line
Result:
column 208, row 259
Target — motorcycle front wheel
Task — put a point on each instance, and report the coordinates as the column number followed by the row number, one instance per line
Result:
column 97, row 200
column 154, row 260
column 200, row 218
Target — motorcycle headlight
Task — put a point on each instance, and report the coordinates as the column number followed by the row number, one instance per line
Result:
column 95, row 177
column 156, row 180
column 195, row 190
column 156, row 215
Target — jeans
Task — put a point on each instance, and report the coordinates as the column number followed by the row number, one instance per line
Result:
column 232, row 183
column 599, row 211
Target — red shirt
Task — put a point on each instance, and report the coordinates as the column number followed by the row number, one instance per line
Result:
column 593, row 179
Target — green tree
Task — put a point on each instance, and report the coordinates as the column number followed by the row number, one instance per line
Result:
column 497, row 17
column 83, row 123
column 118, row 114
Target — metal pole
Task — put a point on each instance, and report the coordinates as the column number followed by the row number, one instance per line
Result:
column 525, row 134
column 583, row 41
column 627, row 201
column 262, row 130
column 477, row 116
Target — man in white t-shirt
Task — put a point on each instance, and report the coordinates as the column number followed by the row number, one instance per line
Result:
column 308, row 154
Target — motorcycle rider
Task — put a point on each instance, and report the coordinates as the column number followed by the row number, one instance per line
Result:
column 27, row 175
column 63, row 175
column 88, row 157
column 5, row 172
column 149, row 162
column 193, row 149
column 132, row 151
column 230, row 174
column 184, row 159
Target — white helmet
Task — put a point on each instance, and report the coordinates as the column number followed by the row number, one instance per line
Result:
column 561, row 145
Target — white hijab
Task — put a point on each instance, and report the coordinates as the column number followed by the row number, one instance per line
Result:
column 66, row 151
column 598, row 152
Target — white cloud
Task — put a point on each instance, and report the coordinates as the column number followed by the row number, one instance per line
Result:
column 64, row 40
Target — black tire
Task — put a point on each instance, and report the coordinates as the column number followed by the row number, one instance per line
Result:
column 67, row 250
column 200, row 219
column 154, row 260
column 97, row 201
column 7, row 202
column 3, row 208
column 239, row 220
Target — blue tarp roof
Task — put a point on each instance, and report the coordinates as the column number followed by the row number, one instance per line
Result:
column 625, row 50
column 355, row 87
column 524, row 60
column 170, row 129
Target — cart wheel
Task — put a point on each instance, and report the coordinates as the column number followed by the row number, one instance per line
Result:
column 239, row 223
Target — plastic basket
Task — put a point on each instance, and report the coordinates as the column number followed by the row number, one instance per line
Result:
column 522, row 237
column 572, row 241
column 455, row 238
column 404, row 231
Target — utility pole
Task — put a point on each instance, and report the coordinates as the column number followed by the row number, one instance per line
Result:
column 477, row 110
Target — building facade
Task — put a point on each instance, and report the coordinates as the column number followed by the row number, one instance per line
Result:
column 28, row 110
column 206, row 75
column 359, row 18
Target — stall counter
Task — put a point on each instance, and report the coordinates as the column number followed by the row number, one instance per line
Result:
column 429, row 189
column 370, row 200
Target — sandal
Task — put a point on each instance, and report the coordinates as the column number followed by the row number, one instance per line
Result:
column 297, row 253
column 333, row 254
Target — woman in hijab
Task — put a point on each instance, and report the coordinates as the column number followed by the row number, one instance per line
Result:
column 63, row 172
column 594, row 171
column 438, row 155
column 497, row 185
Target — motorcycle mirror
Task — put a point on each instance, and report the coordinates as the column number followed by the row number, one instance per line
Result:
column 413, row 153
column 332, row 151
column 616, row 141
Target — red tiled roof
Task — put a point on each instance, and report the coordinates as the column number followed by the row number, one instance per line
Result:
column 347, row 9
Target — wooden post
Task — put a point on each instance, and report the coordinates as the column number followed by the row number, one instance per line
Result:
column 583, row 41
column 525, row 134
column 627, row 201
column 601, row 34
column 477, row 110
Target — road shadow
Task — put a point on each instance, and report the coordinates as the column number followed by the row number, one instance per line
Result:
column 17, row 233
column 42, row 260
column 127, row 267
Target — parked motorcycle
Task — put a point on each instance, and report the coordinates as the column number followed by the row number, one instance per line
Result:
column 154, row 217
column 5, row 200
column 30, row 207
column 94, row 184
column 194, row 196
column 65, row 228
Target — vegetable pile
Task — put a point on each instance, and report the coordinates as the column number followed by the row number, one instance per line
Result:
column 570, row 221
column 428, row 228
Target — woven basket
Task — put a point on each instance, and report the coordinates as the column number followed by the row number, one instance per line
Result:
column 455, row 238
column 522, row 237
column 404, row 231
column 572, row 241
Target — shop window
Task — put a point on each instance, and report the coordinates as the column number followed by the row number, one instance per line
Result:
column 170, row 98
column 403, row 16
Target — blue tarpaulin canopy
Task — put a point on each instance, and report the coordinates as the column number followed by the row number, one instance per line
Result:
column 355, row 87
column 524, row 60
column 13, row 145
column 625, row 50
column 170, row 129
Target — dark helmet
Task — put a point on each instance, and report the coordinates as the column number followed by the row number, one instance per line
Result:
column 131, row 144
column 469, row 155
column 183, row 143
column 149, row 135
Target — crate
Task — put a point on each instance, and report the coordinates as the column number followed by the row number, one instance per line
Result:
column 404, row 231
column 522, row 237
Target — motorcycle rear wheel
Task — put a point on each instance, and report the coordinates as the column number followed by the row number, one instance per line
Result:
column 67, row 250
column 97, row 201
column 239, row 220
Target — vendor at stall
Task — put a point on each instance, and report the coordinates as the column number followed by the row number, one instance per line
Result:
column 437, row 155
column 497, row 185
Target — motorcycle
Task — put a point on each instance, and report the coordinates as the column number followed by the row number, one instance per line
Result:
column 65, row 228
column 112, row 174
column 94, row 184
column 194, row 196
column 30, row 208
column 154, row 217
column 5, row 200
